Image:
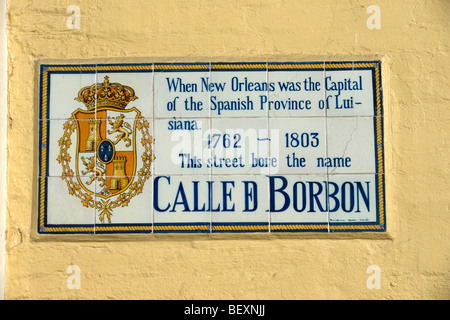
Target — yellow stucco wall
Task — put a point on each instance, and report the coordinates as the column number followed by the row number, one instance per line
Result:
column 413, row 255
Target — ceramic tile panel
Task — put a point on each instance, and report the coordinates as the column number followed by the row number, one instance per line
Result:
column 85, row 127
column 351, row 145
column 63, row 212
column 55, row 155
column 239, row 90
column 240, row 203
column 296, row 90
column 134, row 91
column 84, row 143
column 211, row 147
column 298, row 203
column 182, row 146
column 182, row 203
column 351, row 89
column 123, row 203
column 239, row 146
column 356, row 202
column 60, row 86
column 297, row 144
column 181, row 90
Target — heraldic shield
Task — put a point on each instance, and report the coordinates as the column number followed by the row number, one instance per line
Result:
column 107, row 172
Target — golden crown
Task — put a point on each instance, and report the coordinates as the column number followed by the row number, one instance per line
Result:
column 106, row 94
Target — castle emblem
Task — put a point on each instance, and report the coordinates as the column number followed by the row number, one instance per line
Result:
column 104, row 170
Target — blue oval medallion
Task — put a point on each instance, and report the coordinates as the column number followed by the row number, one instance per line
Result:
column 105, row 151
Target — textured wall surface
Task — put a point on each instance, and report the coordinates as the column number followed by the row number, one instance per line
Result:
column 413, row 255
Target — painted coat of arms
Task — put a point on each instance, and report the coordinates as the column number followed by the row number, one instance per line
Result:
column 112, row 157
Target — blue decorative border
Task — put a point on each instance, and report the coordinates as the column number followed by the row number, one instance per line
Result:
column 44, row 94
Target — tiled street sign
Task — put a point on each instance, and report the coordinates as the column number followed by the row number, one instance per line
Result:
column 211, row 147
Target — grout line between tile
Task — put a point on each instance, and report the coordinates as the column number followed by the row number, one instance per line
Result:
column 269, row 218
column 210, row 128
column 152, row 170
column 96, row 144
column 326, row 147
column 210, row 120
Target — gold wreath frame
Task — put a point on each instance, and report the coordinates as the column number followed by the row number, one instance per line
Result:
column 105, row 206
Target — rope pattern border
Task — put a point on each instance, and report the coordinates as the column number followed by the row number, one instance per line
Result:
column 205, row 67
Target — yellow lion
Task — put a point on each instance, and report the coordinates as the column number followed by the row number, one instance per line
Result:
column 118, row 126
column 96, row 171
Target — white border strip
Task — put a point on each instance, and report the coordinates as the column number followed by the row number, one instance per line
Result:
column 3, row 139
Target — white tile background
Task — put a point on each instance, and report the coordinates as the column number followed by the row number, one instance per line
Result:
column 342, row 133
